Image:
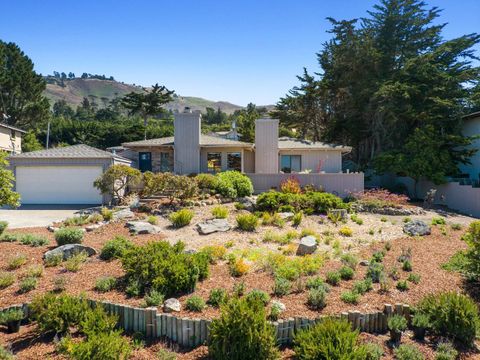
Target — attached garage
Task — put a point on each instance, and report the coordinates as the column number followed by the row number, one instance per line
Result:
column 62, row 175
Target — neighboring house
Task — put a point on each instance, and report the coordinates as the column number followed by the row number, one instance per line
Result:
column 190, row 151
column 63, row 175
column 471, row 127
column 11, row 139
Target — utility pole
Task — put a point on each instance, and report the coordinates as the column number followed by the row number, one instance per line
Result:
column 48, row 134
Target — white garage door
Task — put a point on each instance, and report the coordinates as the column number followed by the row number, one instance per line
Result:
column 58, row 184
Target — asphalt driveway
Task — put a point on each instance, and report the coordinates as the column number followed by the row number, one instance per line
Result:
column 39, row 215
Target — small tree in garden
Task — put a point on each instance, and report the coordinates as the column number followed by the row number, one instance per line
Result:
column 170, row 185
column 116, row 180
column 7, row 195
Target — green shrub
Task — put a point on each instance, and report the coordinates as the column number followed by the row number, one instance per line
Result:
column 322, row 202
column 317, row 282
column 420, row 320
column 11, row 315
column 356, row 219
column 3, row 226
column 408, row 352
column 214, row 252
column 317, row 298
column 446, row 351
column 6, row 279
column 456, row 227
column 74, row 263
column 327, row 339
column 153, row 298
column 181, row 218
column 59, row 283
column 349, row 297
column 375, row 272
column 35, row 271
column 6, row 354
column 195, row 303
column 17, row 261
column 242, row 333
column 371, row 351
column 100, row 346
column 297, row 219
column 309, row 202
column 53, row 260
column 247, row 222
column 239, row 288
column 105, row 283
column 233, row 184
column 33, row 240
column 407, row 265
column 275, row 219
column 397, row 323
column 68, row 235
column 28, row 284
column 281, row 287
column 239, row 206
column 164, row 354
column 152, row 219
column 402, row 285
column 115, row 248
column 206, row 182
column 345, row 231
column 346, row 273
column 76, row 221
column 217, row 297
column 106, row 213
column 256, row 295
column 9, row 237
column 220, row 212
column 333, row 278
column 362, row 286
column 414, row 278
column 438, row 221
column 378, row 256
column 349, row 260
column 453, row 315
column 164, row 267
column 388, row 246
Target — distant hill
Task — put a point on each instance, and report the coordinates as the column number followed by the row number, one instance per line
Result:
column 74, row 90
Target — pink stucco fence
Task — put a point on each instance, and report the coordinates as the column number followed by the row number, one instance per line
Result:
column 337, row 183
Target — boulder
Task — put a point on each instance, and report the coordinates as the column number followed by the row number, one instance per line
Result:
column 70, row 250
column 123, row 214
column 248, row 202
column 172, row 305
column 94, row 227
column 417, row 228
column 52, row 228
column 142, row 227
column 211, row 226
column 308, row 245
column 286, row 215
column 364, row 263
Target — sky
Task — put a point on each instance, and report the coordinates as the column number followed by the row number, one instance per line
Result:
column 239, row 51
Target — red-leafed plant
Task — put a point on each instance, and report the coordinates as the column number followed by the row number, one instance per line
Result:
column 291, row 185
column 380, row 198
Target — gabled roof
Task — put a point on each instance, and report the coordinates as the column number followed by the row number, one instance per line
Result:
column 68, row 152
column 286, row 143
column 205, row 140
column 12, row 128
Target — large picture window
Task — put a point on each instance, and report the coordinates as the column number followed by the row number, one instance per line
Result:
column 234, row 161
column 214, row 162
column 291, row 163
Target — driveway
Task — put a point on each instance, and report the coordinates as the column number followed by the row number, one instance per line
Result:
column 38, row 215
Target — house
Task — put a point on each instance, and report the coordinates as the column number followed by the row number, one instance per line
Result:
column 189, row 151
column 63, row 175
column 471, row 127
column 10, row 139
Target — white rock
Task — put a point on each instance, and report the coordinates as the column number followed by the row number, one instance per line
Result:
column 172, row 305
column 308, row 245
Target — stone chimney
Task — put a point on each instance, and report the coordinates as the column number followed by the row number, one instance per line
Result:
column 266, row 146
column 187, row 130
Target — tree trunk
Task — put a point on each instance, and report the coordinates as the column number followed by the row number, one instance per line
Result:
column 145, row 127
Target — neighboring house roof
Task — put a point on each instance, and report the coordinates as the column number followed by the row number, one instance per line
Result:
column 69, row 152
column 12, row 128
column 286, row 143
column 472, row 115
column 205, row 140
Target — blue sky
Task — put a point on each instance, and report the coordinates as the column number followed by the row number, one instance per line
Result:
column 239, row 51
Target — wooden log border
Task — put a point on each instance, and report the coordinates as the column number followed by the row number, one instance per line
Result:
column 191, row 333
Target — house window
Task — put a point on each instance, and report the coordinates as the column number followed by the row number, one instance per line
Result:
column 165, row 162
column 214, row 162
column 234, row 161
column 291, row 163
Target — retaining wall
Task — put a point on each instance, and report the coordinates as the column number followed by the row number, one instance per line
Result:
column 194, row 332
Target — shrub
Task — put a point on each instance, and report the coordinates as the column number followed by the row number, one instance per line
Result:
column 153, row 298
column 195, row 303
column 346, row 273
column 291, row 185
column 349, row 297
column 17, row 261
column 164, row 354
column 9, row 238
column 53, row 260
column 68, row 235
column 345, row 231
column 173, row 186
column 438, row 221
column 247, row 222
column 163, row 267
column 408, row 352
column 207, row 182
column 35, row 271
column 105, row 283
column 234, row 184
column 274, row 219
column 349, row 260
column 217, row 297
column 446, row 351
column 378, row 256
column 6, row 279
column 214, row 252
column 317, row 298
column 28, row 284
column 106, row 213
column 239, row 288
column 375, row 272
column 6, row 354
column 275, row 311
column 220, row 212
column 152, row 219
column 388, row 246
column 181, row 218
column 380, row 198
column 33, row 240
column 74, row 263
column 362, row 286
column 451, row 314
column 101, row 346
column 327, row 339
column 371, row 351
column 239, row 206
column 321, row 202
column 115, row 248
column 407, row 266
column 333, row 278
column 242, row 333
column 397, row 323
column 238, row 267
column 76, row 221
column 297, row 219
column 317, row 283
column 117, row 179
column 256, row 295
column 356, row 219
column 456, row 227
column 3, row 226
column 10, row 315
column 309, row 202
column 281, row 287
column 414, row 278
column 59, row 283
column 402, row 285
column 420, row 320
